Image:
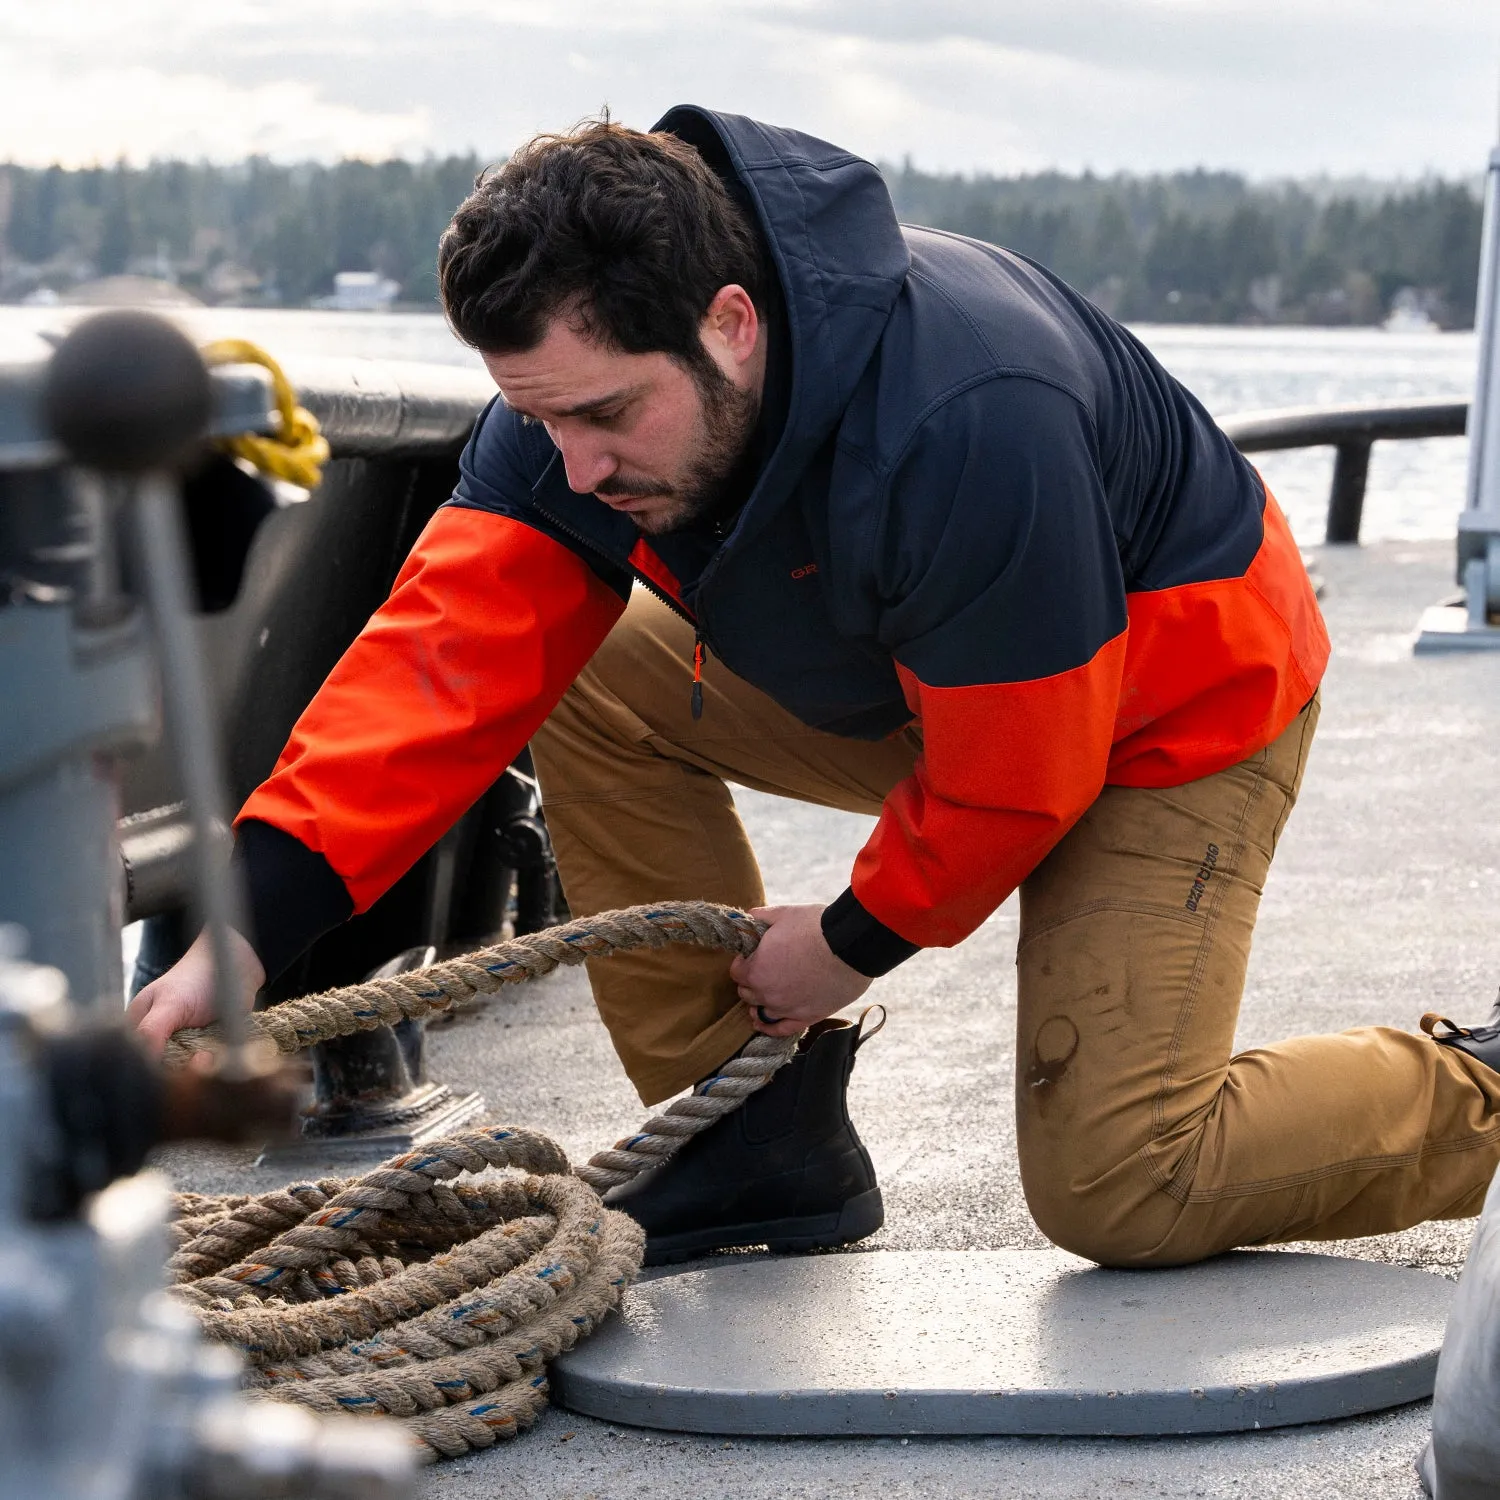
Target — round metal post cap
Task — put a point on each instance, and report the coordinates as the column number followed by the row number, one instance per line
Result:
column 127, row 392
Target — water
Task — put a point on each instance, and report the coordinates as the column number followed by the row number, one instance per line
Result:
column 1416, row 489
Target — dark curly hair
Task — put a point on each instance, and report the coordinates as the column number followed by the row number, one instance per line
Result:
column 630, row 233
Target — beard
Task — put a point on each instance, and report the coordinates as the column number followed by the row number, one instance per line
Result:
column 719, row 476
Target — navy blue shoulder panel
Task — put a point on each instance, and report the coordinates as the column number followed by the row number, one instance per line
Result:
column 512, row 469
column 997, row 560
column 1184, row 504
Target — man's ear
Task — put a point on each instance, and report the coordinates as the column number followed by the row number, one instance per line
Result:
column 731, row 326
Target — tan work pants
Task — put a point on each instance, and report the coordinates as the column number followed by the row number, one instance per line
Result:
column 1143, row 1138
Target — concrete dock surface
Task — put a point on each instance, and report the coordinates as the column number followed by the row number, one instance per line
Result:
column 1381, row 905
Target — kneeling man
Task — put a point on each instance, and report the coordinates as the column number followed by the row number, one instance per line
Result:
column 779, row 492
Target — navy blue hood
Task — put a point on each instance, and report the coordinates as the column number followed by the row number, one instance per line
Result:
column 971, row 482
column 839, row 255
column 974, row 467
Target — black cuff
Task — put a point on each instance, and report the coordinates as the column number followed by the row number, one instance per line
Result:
column 292, row 896
column 864, row 942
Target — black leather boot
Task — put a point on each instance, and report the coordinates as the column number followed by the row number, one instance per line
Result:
column 1480, row 1042
column 784, row 1170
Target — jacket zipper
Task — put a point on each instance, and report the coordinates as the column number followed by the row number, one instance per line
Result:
column 700, row 646
column 697, row 699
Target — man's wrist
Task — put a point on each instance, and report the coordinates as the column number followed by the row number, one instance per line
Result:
column 252, row 970
column 862, row 940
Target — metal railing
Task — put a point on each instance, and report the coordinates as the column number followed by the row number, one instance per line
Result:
column 385, row 409
column 1351, row 431
column 390, row 410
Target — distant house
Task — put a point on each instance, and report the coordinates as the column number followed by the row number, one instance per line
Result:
column 1415, row 309
column 360, row 291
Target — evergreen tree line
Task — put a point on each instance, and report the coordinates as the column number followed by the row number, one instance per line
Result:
column 1211, row 247
column 1191, row 247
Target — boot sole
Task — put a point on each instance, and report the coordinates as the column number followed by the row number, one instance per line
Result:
column 862, row 1215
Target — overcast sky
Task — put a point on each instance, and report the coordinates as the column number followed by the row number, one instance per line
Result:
column 1272, row 87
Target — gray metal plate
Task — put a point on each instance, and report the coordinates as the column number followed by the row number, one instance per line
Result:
column 309, row 1153
column 1017, row 1341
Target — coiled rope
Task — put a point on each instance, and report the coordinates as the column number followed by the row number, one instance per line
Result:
column 407, row 1294
column 297, row 450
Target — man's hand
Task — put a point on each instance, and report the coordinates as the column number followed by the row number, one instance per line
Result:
column 184, row 995
column 793, row 975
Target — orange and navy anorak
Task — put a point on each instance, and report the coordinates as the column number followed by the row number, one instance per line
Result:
column 985, row 508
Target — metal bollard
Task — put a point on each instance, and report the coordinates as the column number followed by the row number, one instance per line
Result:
column 372, row 1096
column 492, row 873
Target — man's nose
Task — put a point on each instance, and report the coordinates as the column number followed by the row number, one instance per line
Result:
column 587, row 464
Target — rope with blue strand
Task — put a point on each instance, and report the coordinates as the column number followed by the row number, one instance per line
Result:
column 407, row 1294
column 295, row 1024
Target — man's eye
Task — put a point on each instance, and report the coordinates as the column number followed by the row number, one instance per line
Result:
column 608, row 418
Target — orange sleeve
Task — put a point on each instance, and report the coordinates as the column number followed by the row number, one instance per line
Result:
column 1005, row 770
column 486, row 626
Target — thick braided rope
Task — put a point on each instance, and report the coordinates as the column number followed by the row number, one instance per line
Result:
column 750, row 1069
column 299, row 1023
column 333, row 1289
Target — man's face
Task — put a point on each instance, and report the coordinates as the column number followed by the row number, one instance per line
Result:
column 645, row 435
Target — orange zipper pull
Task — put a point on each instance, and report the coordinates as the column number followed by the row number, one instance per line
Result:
column 697, row 675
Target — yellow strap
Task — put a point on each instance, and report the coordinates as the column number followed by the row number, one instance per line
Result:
column 298, row 450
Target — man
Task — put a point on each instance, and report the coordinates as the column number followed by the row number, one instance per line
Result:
column 778, row 492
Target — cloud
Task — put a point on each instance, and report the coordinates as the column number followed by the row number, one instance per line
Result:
column 1096, row 95
column 1386, row 87
column 100, row 114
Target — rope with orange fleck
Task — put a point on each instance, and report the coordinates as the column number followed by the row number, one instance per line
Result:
column 407, row 1293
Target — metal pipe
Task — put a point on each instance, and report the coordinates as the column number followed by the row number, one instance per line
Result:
column 384, row 408
column 1351, row 431
column 156, row 854
column 1315, row 426
column 193, row 735
column 1484, row 428
column 1346, row 500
